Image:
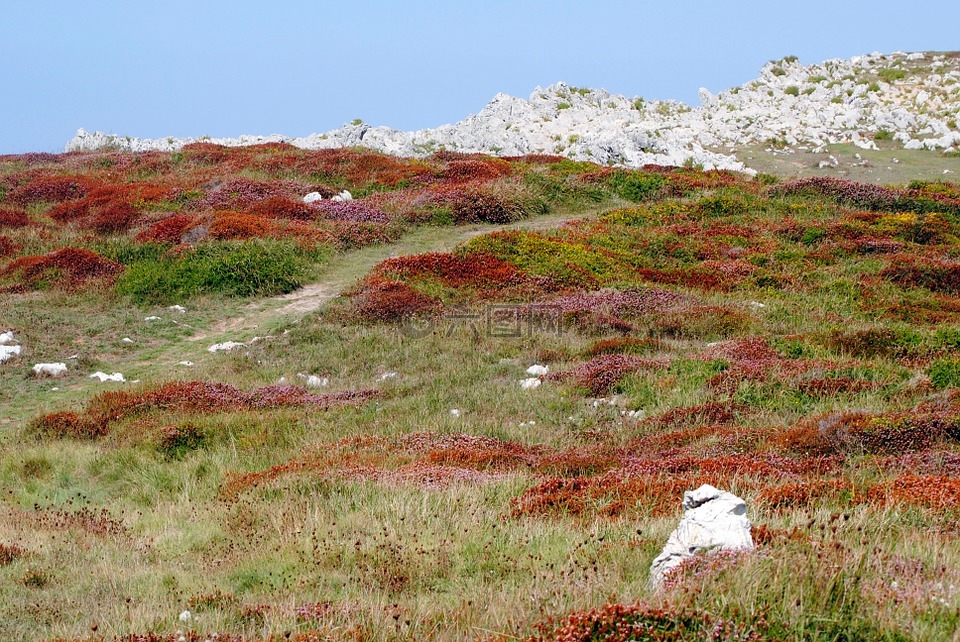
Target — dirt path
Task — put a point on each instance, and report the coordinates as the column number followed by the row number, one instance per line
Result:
column 345, row 269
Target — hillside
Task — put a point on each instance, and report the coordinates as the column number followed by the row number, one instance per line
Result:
column 909, row 99
column 265, row 393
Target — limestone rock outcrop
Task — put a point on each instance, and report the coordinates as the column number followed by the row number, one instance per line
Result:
column 713, row 520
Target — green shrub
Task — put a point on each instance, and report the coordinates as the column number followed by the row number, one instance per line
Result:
column 889, row 75
column 635, row 186
column 247, row 268
column 792, row 90
column 945, row 373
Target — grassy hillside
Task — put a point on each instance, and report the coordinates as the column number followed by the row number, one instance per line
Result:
column 366, row 465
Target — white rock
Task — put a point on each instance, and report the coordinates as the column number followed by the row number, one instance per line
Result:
column 343, row 196
column 153, row 318
column 387, row 375
column 6, row 338
column 313, row 381
column 225, row 346
column 126, row 340
column 713, row 520
column 186, row 616
column 185, row 363
column 536, row 370
column 530, row 383
column 104, row 377
column 49, row 369
column 177, row 308
column 611, row 129
column 455, row 412
column 7, row 352
column 312, row 197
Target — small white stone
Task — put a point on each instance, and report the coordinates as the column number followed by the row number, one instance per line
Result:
column 186, row 616
column 313, row 381
column 536, row 370
column 7, row 352
column 530, row 383
column 225, row 346
column 127, row 340
column 312, row 197
column 387, row 375
column 6, row 338
column 177, row 308
column 153, row 318
column 185, row 363
column 116, row 377
column 49, row 369
column 455, row 412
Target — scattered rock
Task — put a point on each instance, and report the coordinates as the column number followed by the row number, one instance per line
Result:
column 104, row 377
column 225, row 346
column 49, row 369
column 387, row 375
column 153, row 318
column 713, row 520
column 343, row 196
column 793, row 104
column 126, row 340
column 313, row 381
column 530, row 383
column 537, row 370
column 455, row 412
column 312, row 197
column 177, row 308
column 6, row 352
column 6, row 338
column 185, row 363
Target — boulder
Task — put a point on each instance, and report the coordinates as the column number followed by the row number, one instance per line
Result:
column 713, row 520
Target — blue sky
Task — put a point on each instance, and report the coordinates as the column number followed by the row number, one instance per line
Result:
column 175, row 68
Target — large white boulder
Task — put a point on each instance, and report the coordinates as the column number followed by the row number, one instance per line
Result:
column 7, row 352
column 49, row 369
column 713, row 520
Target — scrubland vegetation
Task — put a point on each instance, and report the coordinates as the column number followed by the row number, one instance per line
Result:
column 795, row 342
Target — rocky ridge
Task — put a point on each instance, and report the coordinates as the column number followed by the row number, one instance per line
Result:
column 912, row 99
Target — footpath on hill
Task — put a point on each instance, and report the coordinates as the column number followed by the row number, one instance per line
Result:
column 263, row 317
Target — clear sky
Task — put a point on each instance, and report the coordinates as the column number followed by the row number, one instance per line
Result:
column 217, row 68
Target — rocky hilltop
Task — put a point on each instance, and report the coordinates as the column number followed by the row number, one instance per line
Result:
column 910, row 98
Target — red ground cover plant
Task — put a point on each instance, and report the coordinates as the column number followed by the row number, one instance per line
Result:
column 387, row 301
column 240, row 193
column 625, row 345
column 195, row 397
column 228, row 225
column 600, row 374
column 610, row 495
column 483, row 272
column 113, row 218
column 860, row 195
column 807, row 493
column 936, row 492
column 356, row 211
column 467, row 170
column 891, row 433
column 49, row 188
column 284, row 208
column 937, row 275
column 69, row 267
column 623, row 623
column 9, row 247
column 169, row 230
column 711, row 413
column 13, row 217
